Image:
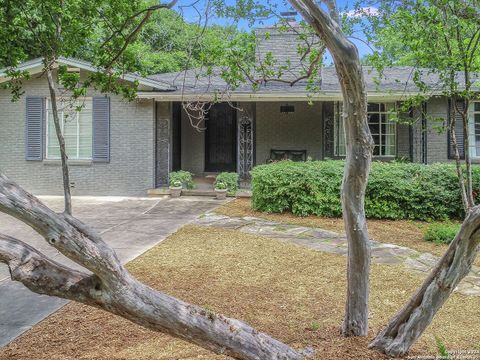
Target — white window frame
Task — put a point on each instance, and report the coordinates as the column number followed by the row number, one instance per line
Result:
column 62, row 125
column 338, row 127
column 471, row 130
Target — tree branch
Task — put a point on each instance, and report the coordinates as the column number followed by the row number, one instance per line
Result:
column 45, row 276
column 113, row 288
column 148, row 13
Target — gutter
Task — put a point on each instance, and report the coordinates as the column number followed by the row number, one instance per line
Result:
column 259, row 97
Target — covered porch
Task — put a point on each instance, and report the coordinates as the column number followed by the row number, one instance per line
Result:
column 236, row 136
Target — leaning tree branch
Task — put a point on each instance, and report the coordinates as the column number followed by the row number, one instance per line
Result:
column 359, row 145
column 44, row 276
column 113, row 288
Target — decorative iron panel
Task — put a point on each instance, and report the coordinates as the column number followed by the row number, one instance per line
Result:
column 245, row 143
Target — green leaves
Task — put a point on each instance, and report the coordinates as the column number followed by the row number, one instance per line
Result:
column 395, row 190
column 230, row 180
column 441, row 233
column 182, row 177
column 439, row 37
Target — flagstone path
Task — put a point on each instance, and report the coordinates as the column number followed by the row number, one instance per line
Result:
column 331, row 242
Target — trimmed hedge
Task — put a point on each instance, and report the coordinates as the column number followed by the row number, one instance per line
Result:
column 395, row 190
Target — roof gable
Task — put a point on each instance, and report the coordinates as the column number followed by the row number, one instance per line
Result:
column 36, row 66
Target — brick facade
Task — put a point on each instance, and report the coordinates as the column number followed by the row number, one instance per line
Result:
column 131, row 167
column 141, row 140
column 300, row 130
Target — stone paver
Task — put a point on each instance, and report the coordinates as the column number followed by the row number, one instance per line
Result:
column 332, row 242
column 130, row 226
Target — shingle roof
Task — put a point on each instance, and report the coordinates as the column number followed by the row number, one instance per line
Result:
column 283, row 44
column 393, row 80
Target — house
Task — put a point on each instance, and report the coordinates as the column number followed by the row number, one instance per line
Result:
column 126, row 148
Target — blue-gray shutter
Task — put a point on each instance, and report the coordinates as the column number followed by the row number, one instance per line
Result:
column 35, row 113
column 101, row 129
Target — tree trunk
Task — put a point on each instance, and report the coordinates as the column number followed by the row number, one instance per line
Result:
column 61, row 140
column 468, row 160
column 112, row 287
column 456, row 153
column 357, row 167
column 409, row 324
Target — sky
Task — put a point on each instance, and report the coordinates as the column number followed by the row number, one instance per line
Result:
column 189, row 13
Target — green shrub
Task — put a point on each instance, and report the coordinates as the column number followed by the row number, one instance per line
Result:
column 441, row 233
column 230, row 179
column 220, row 185
column 176, row 183
column 396, row 190
column 184, row 177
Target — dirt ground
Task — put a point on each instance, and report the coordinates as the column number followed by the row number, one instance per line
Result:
column 293, row 293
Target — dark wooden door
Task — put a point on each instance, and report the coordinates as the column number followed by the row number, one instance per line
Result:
column 221, row 139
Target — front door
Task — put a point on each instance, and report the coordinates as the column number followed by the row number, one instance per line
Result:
column 221, row 139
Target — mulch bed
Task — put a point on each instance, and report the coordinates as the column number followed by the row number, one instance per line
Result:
column 295, row 294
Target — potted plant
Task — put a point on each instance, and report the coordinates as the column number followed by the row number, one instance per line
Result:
column 175, row 188
column 221, row 190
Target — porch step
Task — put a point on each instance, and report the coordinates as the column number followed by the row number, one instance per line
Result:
column 196, row 192
column 158, row 191
column 247, row 194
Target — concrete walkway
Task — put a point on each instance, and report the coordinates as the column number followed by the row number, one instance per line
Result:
column 129, row 225
column 332, row 242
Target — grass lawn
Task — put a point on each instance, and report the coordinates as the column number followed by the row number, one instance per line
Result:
column 399, row 232
column 291, row 292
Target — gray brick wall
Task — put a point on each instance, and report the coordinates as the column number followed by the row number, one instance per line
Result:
column 417, row 144
column 131, row 167
column 403, row 141
column 283, row 45
column 301, row 130
column 193, row 147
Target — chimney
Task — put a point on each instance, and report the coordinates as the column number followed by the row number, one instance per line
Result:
column 290, row 17
column 282, row 43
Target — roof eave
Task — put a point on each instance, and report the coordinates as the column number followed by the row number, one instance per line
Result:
column 35, row 66
column 279, row 97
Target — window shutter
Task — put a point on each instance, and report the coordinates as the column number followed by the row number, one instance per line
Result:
column 35, row 113
column 459, row 133
column 101, row 129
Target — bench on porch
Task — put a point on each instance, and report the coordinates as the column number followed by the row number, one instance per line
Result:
column 294, row 155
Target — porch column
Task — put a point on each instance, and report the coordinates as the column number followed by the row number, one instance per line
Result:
column 162, row 143
column 245, row 139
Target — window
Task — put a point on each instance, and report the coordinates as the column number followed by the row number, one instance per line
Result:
column 76, row 128
column 474, row 129
column 382, row 128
